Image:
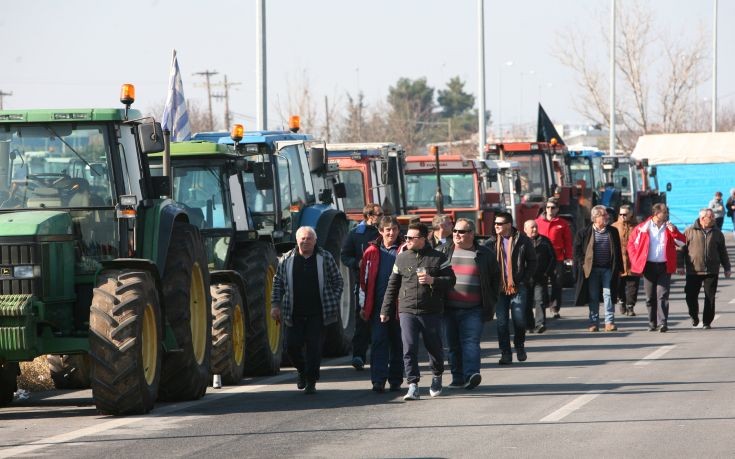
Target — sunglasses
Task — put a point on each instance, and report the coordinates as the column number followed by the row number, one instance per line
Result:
column 500, row 223
column 463, row 231
column 411, row 238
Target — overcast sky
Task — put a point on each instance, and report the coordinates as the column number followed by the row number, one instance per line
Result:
column 76, row 53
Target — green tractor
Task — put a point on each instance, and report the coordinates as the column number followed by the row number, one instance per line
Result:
column 207, row 180
column 94, row 262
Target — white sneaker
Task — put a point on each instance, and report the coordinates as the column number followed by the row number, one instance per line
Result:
column 413, row 392
column 435, row 389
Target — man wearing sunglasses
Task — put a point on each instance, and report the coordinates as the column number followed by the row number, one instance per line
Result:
column 421, row 278
column 353, row 247
column 560, row 234
column 628, row 284
column 469, row 303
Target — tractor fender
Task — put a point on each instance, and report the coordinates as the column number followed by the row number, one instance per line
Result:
column 227, row 276
column 140, row 264
column 321, row 218
column 169, row 214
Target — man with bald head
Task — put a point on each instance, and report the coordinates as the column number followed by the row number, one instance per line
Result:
column 537, row 289
column 307, row 288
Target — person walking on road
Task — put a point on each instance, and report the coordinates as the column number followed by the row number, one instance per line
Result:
column 517, row 262
column 386, row 352
column 560, row 234
column 421, row 278
column 441, row 226
column 599, row 260
column 704, row 253
column 537, row 289
column 718, row 208
column 353, row 247
column 470, row 303
column 652, row 253
column 628, row 283
column 307, row 289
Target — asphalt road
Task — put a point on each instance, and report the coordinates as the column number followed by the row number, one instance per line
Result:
column 630, row 393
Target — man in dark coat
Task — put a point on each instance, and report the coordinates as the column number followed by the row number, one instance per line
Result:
column 599, row 263
column 545, row 268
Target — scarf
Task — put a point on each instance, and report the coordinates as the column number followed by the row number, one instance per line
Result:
column 507, row 285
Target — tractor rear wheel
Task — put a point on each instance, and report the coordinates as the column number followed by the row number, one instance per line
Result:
column 228, row 333
column 257, row 263
column 9, row 372
column 70, row 371
column 187, row 303
column 338, row 335
column 125, row 342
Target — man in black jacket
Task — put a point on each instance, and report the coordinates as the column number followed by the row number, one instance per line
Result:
column 545, row 267
column 419, row 282
column 599, row 262
column 469, row 303
column 517, row 261
column 353, row 247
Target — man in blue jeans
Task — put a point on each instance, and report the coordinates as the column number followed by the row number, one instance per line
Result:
column 517, row 262
column 599, row 260
column 469, row 303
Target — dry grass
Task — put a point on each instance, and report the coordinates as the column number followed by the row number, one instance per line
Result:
column 35, row 376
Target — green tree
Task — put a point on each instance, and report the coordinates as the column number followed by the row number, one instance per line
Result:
column 412, row 112
column 454, row 101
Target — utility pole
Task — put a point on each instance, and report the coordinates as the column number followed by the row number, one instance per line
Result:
column 261, row 73
column 2, row 95
column 226, row 97
column 481, row 128
column 326, row 115
column 206, row 74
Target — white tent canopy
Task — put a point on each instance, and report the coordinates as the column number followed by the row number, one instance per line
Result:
column 689, row 148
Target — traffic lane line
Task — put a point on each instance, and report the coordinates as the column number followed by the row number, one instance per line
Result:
column 584, row 399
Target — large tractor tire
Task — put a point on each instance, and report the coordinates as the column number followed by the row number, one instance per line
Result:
column 70, row 371
column 228, row 333
column 125, row 342
column 8, row 382
column 338, row 336
column 257, row 264
column 185, row 373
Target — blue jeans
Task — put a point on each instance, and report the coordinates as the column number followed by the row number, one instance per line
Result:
column 511, row 306
column 600, row 278
column 464, row 329
column 386, row 351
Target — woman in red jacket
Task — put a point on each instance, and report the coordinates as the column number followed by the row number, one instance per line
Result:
column 652, row 253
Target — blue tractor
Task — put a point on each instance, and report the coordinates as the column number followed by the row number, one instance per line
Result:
column 289, row 183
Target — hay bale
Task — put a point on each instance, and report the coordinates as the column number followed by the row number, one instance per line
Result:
column 35, row 375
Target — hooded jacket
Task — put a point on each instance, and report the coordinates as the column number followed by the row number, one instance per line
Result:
column 559, row 233
column 705, row 251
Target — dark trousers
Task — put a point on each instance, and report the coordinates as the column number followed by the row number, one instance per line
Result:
column 692, row 287
column 361, row 338
column 557, row 279
column 719, row 221
column 536, row 301
column 628, row 290
column 656, row 282
column 386, row 351
column 429, row 326
column 304, row 345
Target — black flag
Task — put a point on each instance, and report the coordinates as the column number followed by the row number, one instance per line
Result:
column 546, row 130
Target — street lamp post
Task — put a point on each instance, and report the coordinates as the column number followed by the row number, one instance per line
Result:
column 520, row 108
column 500, row 98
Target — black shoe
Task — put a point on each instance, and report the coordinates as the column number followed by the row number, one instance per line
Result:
column 505, row 359
column 473, row 381
column 663, row 329
column 706, row 327
column 631, row 312
column 310, row 388
column 651, row 327
column 695, row 323
column 301, row 382
column 358, row 363
column 540, row 329
column 521, row 355
column 395, row 387
column 379, row 387
column 557, row 315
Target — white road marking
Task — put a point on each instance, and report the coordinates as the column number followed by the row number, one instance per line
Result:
column 655, row 355
column 571, row 407
column 212, row 395
column 731, row 301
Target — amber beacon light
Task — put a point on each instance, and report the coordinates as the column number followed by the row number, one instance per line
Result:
column 127, row 94
column 237, row 132
column 294, row 123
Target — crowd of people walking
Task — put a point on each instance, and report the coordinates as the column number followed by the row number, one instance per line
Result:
column 443, row 284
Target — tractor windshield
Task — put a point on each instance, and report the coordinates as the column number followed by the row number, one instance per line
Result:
column 458, row 190
column 54, row 165
column 531, row 174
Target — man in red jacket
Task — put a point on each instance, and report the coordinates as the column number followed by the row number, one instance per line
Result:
column 558, row 231
column 652, row 253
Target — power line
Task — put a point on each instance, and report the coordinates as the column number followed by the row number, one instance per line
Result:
column 206, row 74
column 226, row 97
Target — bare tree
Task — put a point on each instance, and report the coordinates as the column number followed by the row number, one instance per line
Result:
column 637, row 46
column 301, row 101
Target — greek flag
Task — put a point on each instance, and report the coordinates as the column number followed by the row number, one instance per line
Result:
column 175, row 114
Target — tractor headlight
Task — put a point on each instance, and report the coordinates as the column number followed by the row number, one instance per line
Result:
column 26, row 272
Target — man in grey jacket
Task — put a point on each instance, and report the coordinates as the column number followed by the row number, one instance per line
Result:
column 704, row 252
column 307, row 288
